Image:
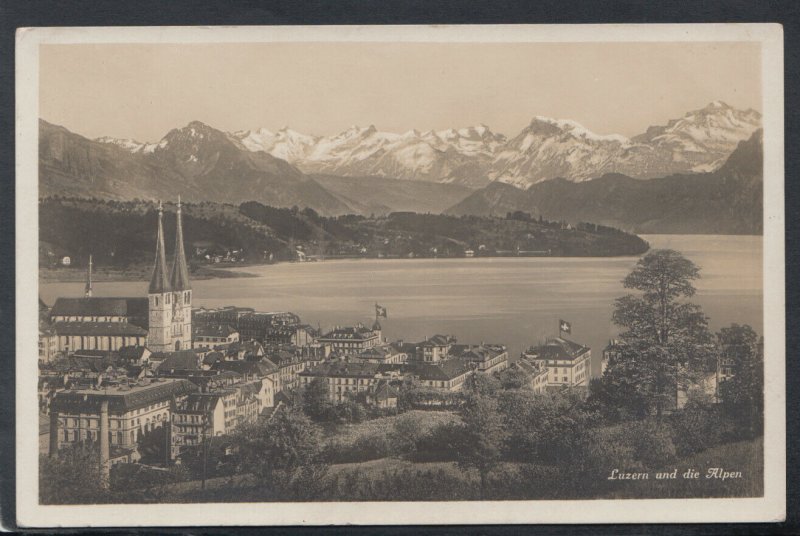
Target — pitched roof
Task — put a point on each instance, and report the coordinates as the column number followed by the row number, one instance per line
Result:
column 200, row 402
column 214, row 330
column 180, row 360
column 92, row 364
column 121, row 398
column 282, row 356
column 261, row 368
column 443, row 370
column 438, row 340
column 404, row 347
column 159, row 282
column 341, row 369
column 558, row 348
column 359, row 333
column 529, row 368
column 99, row 329
column 213, row 357
column 378, row 352
column 482, row 352
column 94, row 353
column 131, row 352
column 179, row 278
column 124, row 306
column 386, row 391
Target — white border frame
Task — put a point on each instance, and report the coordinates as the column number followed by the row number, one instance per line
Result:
column 772, row 507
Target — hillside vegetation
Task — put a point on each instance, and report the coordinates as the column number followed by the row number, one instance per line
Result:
column 121, row 234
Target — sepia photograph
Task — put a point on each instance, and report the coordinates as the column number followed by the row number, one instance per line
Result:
column 473, row 268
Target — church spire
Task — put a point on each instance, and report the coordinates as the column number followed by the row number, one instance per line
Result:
column 159, row 282
column 87, row 291
column 180, row 273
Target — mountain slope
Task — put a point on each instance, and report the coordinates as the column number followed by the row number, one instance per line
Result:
column 378, row 195
column 198, row 162
column 545, row 149
column 727, row 201
column 453, row 155
column 549, row 148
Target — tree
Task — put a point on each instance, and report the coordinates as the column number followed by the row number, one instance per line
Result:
column 743, row 394
column 481, row 384
column 285, row 454
column 316, row 402
column 512, row 378
column 72, row 477
column 483, row 436
column 666, row 342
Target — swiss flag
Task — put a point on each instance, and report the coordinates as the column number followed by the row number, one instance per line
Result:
column 565, row 326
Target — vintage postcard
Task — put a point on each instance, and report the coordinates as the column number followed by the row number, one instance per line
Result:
column 422, row 275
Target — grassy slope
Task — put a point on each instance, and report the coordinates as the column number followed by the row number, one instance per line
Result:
column 454, row 483
column 744, row 456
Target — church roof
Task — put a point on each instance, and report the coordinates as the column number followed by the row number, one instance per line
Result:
column 159, row 282
column 179, row 279
column 99, row 329
column 133, row 308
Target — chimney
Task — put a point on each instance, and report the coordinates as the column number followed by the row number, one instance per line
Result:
column 104, row 455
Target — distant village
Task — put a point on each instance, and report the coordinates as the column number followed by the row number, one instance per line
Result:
column 115, row 369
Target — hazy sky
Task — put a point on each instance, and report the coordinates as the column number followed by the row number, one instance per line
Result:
column 142, row 91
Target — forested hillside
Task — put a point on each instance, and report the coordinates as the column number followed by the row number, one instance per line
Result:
column 122, row 233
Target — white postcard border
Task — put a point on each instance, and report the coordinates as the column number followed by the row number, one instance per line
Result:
column 771, row 507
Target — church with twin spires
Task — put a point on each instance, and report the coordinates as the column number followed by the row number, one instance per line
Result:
column 169, row 296
column 162, row 322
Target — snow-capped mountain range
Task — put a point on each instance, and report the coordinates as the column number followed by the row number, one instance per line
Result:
column 475, row 156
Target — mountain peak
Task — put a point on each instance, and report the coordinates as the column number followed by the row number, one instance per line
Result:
column 199, row 125
column 548, row 126
column 717, row 105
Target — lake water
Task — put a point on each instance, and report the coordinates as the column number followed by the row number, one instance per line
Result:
column 515, row 301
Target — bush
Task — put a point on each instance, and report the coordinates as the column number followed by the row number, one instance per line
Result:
column 440, row 443
column 653, row 445
column 698, row 427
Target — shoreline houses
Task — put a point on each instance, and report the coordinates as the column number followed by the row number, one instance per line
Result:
column 437, row 362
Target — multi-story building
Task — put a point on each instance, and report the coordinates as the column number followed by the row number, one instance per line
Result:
column 350, row 340
column 258, row 326
column 292, row 334
column 229, row 315
column 435, row 348
column 386, row 353
column 568, row 363
column 610, row 353
column 199, row 416
column 48, row 342
column 344, row 379
column 447, row 375
column 133, row 409
column 534, row 374
column 290, row 362
column 248, row 350
column 487, row 358
column 214, row 335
